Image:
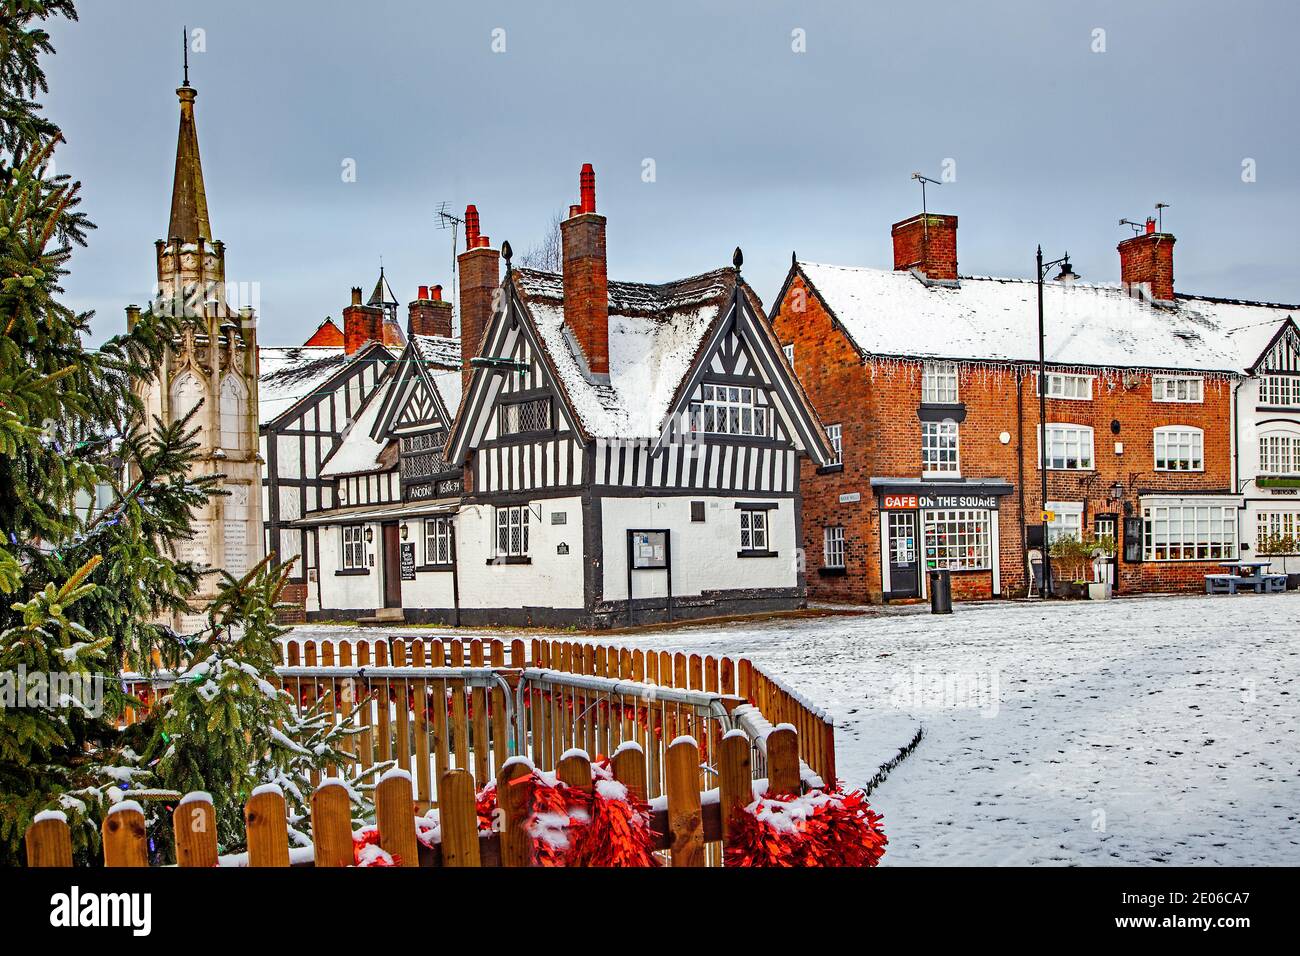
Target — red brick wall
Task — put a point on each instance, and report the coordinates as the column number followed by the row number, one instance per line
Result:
column 1148, row 260
column 927, row 243
column 586, row 287
column 294, row 595
column 881, row 437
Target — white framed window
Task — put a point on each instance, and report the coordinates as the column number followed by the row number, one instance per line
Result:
column 940, row 454
column 1069, row 447
column 1179, row 448
column 939, row 383
column 1278, row 524
column 957, row 539
column 1279, row 454
column 1189, row 532
column 728, row 410
column 833, row 547
column 1067, row 520
column 1279, row 391
column 789, row 353
column 354, row 547
column 437, row 540
column 512, row 532
column 1069, row 386
column 753, row 529
column 836, row 434
column 1177, row 388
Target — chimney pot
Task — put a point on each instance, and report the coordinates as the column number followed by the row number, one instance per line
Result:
column 471, row 226
column 587, row 185
column 423, row 293
column 1151, row 225
column 436, row 293
column 575, row 210
column 356, row 295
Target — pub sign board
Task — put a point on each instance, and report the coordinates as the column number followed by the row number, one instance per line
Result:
column 408, row 561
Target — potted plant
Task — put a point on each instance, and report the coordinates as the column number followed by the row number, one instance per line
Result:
column 1282, row 546
column 1070, row 558
column 1102, row 549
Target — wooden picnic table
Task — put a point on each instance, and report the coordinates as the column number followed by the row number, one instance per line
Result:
column 1246, row 569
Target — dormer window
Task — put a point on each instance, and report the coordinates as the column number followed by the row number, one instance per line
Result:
column 727, row 410
column 520, row 418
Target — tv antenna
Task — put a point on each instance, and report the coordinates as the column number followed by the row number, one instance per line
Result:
column 1137, row 227
column 1160, row 215
column 449, row 220
column 923, row 180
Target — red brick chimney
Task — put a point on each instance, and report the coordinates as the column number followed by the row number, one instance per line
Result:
column 928, row 244
column 429, row 314
column 586, row 276
column 1146, row 264
column 480, row 276
column 361, row 323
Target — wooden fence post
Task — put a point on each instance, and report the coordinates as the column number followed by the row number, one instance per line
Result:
column 783, row 760
column 49, row 841
column 512, row 803
column 685, row 825
column 575, row 770
column 459, row 817
column 267, row 825
column 331, row 825
column 423, row 774
column 125, row 842
column 194, row 827
column 395, row 815
column 629, row 769
column 735, row 778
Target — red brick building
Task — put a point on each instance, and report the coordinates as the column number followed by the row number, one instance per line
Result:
column 928, row 381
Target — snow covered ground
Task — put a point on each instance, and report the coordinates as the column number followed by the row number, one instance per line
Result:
column 1135, row 731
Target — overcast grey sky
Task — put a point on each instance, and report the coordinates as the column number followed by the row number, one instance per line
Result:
column 754, row 144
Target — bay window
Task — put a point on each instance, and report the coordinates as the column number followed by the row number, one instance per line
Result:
column 1275, row 525
column 1189, row 532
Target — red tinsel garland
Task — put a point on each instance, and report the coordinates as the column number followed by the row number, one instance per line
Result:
column 366, row 850
column 815, row 829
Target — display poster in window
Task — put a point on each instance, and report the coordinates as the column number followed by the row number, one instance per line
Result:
column 408, row 561
column 649, row 550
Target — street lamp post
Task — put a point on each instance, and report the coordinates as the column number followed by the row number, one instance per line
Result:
column 1067, row 273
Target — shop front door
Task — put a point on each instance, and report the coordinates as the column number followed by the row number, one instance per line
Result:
column 903, row 562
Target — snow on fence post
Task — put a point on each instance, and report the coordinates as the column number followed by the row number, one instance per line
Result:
column 735, row 778
column 745, row 679
column 512, row 803
column 685, row 823
column 125, row 841
column 266, row 822
column 331, row 825
column 458, row 816
column 395, row 816
column 575, row 770
column 783, row 760
column 629, row 769
column 194, row 827
column 49, row 842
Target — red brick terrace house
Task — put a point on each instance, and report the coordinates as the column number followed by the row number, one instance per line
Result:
column 927, row 381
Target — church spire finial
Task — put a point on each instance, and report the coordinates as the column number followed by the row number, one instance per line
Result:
column 185, row 54
column 189, row 218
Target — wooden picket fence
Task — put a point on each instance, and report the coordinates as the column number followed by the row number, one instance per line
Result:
column 690, row 826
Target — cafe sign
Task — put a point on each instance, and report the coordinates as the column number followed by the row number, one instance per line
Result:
column 910, row 502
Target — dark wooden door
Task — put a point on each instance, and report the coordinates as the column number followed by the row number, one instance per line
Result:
column 392, row 566
column 904, row 581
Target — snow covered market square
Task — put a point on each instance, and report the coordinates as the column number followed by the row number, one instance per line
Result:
column 1043, row 739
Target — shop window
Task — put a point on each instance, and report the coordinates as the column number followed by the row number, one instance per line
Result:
column 959, row 540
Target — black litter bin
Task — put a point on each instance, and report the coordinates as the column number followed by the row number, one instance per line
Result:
column 940, row 591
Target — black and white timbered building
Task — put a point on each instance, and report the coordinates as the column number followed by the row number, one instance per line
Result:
column 631, row 450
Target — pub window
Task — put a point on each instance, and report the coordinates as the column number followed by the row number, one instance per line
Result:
column 512, row 532
column 697, row 510
column 437, row 540
column 1189, row 532
column 522, row 417
column 957, row 539
column 1176, row 388
column 1279, row 391
column 1074, row 387
column 939, row 453
column 836, row 434
column 354, row 547
column 1279, row 454
column 939, row 383
column 1275, row 525
column 1179, row 449
column 1069, row 447
column 753, row 529
column 422, row 455
column 727, row 410
column 1067, row 521
column 833, row 547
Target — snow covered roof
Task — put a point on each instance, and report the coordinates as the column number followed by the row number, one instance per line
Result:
column 1088, row 325
column 655, row 332
column 356, row 451
column 290, row 374
column 441, row 355
column 1250, row 327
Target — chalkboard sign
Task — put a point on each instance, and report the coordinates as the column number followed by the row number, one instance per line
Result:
column 408, row 562
column 1132, row 540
